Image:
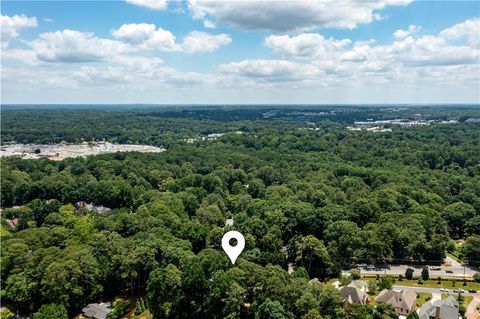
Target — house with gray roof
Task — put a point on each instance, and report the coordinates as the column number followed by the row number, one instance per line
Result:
column 351, row 294
column 97, row 310
column 440, row 309
column 404, row 301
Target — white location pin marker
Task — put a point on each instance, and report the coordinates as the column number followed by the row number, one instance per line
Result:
column 233, row 251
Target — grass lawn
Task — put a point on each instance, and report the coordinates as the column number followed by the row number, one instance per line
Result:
column 454, row 257
column 371, row 299
column 332, row 280
column 145, row 315
column 466, row 299
column 433, row 284
column 423, row 297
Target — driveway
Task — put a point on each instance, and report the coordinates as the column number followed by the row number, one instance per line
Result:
column 436, row 296
column 472, row 306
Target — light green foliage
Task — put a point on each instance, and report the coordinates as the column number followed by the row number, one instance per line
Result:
column 345, row 280
column 119, row 309
column 386, row 282
column 372, row 287
column 51, row 311
column 5, row 313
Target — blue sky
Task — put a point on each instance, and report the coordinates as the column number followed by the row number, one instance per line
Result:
column 157, row 51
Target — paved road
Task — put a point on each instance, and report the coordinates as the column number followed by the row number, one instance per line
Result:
column 456, row 270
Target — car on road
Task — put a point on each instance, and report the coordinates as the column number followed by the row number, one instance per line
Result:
column 472, row 291
column 443, row 290
column 448, row 271
column 434, row 268
column 370, row 267
column 458, row 290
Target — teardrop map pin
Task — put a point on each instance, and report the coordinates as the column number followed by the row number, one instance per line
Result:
column 233, row 251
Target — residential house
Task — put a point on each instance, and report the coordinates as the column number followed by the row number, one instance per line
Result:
column 474, row 315
column 97, row 310
column 351, row 294
column 440, row 309
column 13, row 223
column 91, row 207
column 404, row 301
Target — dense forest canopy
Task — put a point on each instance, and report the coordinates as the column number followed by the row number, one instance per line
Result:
column 319, row 199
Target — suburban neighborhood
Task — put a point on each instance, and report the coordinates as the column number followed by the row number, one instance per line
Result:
column 446, row 291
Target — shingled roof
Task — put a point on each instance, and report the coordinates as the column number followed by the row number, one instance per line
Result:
column 353, row 295
column 400, row 299
column 97, row 311
column 447, row 308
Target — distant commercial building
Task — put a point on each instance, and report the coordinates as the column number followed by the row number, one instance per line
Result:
column 473, row 120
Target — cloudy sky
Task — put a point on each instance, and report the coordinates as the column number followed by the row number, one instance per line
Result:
column 160, row 51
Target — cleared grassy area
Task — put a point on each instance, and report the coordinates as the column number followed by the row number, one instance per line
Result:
column 467, row 300
column 423, row 297
column 454, row 257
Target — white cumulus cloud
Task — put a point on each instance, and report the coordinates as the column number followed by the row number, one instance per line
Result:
column 271, row 70
column 469, row 29
column 148, row 37
column 402, row 34
column 11, row 25
column 75, row 46
column 204, row 42
column 291, row 15
column 312, row 58
column 306, row 44
column 150, row 4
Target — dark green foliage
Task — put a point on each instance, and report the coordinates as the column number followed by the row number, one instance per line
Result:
column 413, row 315
column 425, row 273
column 409, row 273
column 470, row 250
column 477, row 276
column 316, row 199
column 271, row 310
